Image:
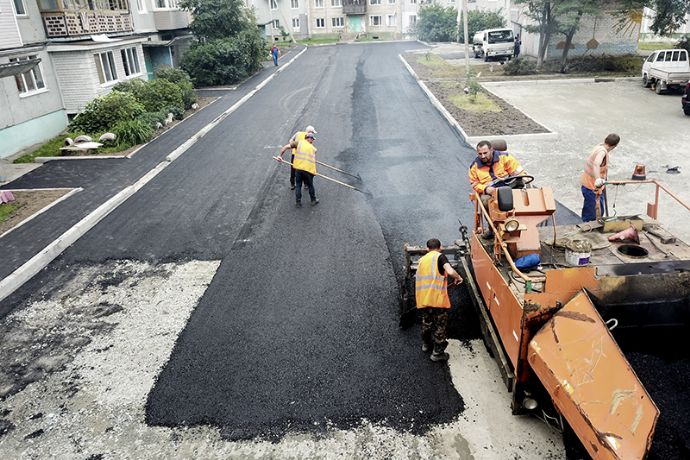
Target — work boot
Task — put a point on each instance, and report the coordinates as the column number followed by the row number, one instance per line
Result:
column 426, row 347
column 315, row 201
column 439, row 355
column 298, row 204
column 292, row 186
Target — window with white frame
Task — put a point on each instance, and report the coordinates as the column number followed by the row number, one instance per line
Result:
column 31, row 81
column 374, row 20
column 413, row 2
column 390, row 20
column 413, row 20
column 141, row 6
column 391, row 2
column 275, row 24
column 130, row 61
column 105, row 64
column 274, row 4
column 374, row 2
column 320, row 23
column 19, row 8
column 294, row 4
column 295, row 24
column 336, row 2
column 338, row 22
column 166, row 4
column 318, row 3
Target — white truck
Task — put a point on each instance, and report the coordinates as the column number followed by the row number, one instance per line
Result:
column 493, row 43
column 667, row 70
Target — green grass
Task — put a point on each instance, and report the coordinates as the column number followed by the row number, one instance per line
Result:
column 369, row 37
column 481, row 103
column 321, row 40
column 6, row 210
column 653, row 46
column 52, row 148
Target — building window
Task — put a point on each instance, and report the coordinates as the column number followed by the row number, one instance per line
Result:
column 105, row 64
column 166, row 4
column 338, row 22
column 374, row 20
column 294, row 4
column 413, row 2
column 336, row 3
column 275, row 24
column 130, row 61
column 318, row 3
column 391, row 2
column 19, row 8
column 374, row 2
column 413, row 20
column 141, row 6
column 320, row 23
column 30, row 81
column 390, row 20
column 274, row 4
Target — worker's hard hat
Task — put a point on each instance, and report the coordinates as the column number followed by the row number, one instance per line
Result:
column 310, row 129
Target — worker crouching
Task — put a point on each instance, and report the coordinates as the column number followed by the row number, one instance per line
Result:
column 431, row 294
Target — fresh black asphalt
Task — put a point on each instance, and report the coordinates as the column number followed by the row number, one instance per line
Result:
column 298, row 329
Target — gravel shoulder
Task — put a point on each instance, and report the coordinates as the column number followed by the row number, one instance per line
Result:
column 31, row 202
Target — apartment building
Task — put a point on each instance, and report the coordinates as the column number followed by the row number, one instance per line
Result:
column 57, row 55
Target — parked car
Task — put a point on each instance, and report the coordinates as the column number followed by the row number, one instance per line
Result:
column 493, row 43
column 667, row 70
column 685, row 100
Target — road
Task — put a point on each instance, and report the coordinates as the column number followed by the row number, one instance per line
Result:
column 213, row 310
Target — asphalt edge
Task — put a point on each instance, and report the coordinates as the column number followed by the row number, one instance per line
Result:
column 38, row 262
column 71, row 192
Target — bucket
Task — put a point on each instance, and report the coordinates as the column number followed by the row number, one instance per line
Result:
column 578, row 253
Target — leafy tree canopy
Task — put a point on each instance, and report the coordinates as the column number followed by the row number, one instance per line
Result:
column 437, row 24
column 215, row 19
column 479, row 20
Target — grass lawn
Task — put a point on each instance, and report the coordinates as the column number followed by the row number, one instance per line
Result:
column 371, row 37
column 329, row 40
column 480, row 103
column 6, row 210
column 653, row 46
column 52, row 148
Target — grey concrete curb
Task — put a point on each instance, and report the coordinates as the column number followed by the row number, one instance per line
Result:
column 30, row 268
column 559, row 81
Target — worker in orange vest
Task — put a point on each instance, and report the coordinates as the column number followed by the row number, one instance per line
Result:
column 594, row 177
column 431, row 294
column 304, row 162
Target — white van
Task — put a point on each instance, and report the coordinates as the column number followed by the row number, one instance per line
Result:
column 494, row 43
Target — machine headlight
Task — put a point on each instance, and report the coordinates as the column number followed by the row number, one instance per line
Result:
column 512, row 225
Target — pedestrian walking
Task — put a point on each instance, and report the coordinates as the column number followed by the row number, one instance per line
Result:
column 274, row 54
column 304, row 162
column 431, row 294
column 516, row 46
column 594, row 177
column 298, row 136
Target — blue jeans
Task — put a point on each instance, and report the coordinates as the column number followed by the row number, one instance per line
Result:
column 275, row 58
column 589, row 210
column 307, row 178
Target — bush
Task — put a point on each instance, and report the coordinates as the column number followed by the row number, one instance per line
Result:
column 133, row 132
column 225, row 61
column 630, row 65
column 154, row 95
column 178, row 114
column 182, row 80
column 130, row 86
column 437, row 24
column 684, row 43
column 153, row 118
column 102, row 113
column 520, row 66
column 480, row 20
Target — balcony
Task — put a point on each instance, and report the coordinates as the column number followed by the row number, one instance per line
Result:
column 78, row 18
column 354, row 6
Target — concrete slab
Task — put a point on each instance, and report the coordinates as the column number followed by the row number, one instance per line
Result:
column 653, row 129
column 10, row 171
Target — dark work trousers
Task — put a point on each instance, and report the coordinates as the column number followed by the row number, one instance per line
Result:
column 434, row 323
column 589, row 211
column 307, row 178
column 292, row 171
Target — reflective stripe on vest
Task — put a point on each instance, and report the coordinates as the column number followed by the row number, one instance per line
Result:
column 589, row 176
column 305, row 157
column 431, row 288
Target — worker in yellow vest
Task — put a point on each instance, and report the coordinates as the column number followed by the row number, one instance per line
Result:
column 298, row 136
column 304, row 162
column 431, row 294
column 594, row 177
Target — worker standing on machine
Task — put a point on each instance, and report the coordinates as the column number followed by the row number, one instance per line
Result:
column 594, row 177
column 298, row 136
column 305, row 166
column 431, row 295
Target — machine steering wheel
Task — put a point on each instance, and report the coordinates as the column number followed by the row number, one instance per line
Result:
column 513, row 181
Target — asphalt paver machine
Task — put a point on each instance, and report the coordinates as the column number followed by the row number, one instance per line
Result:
column 560, row 329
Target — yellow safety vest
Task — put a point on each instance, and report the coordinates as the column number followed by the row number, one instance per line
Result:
column 431, row 288
column 305, row 157
column 298, row 137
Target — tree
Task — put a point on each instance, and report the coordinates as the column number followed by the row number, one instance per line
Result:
column 542, row 12
column 479, row 20
column 437, row 24
column 670, row 14
column 569, row 14
column 215, row 19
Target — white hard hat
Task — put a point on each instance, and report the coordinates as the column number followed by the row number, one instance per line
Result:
column 310, row 129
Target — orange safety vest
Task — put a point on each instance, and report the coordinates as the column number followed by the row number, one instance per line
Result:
column 299, row 136
column 591, row 173
column 502, row 165
column 431, row 288
column 305, row 157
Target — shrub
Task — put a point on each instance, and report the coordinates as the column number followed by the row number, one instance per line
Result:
column 102, row 113
column 152, row 118
column 601, row 63
column 225, row 61
column 130, row 86
column 156, row 95
column 437, row 24
column 182, row 80
column 133, row 132
column 178, row 113
column 520, row 66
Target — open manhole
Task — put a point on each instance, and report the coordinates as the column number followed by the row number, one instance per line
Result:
column 632, row 250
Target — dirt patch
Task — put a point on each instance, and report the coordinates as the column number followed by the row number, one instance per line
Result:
column 30, row 203
column 506, row 121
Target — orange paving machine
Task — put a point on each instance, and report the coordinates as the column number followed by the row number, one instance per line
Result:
column 559, row 305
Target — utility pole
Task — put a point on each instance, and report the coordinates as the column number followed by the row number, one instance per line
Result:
column 466, row 37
